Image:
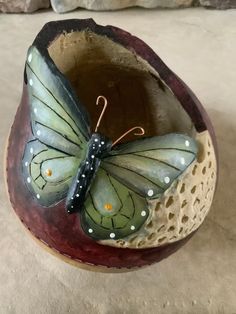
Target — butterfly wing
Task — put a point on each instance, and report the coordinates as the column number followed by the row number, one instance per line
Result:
column 60, row 128
column 150, row 165
column 117, row 205
column 47, row 172
column 111, row 210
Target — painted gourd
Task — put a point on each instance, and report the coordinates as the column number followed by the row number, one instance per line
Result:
column 89, row 197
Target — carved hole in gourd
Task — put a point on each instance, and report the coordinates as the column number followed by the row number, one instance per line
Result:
column 158, row 206
column 193, row 190
column 120, row 242
column 171, row 215
column 169, row 202
column 196, row 202
column 141, row 243
column 161, row 239
column 151, row 236
column 184, row 219
column 194, row 170
column 171, row 228
column 150, row 225
column 184, row 203
column 161, row 228
column 182, row 188
column 201, row 153
column 202, row 208
column 133, row 239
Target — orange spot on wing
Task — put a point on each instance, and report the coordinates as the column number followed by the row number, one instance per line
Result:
column 48, row 172
column 108, row 206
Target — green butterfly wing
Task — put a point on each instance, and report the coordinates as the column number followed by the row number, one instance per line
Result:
column 150, row 165
column 60, row 127
column 48, row 173
column 112, row 210
column 133, row 174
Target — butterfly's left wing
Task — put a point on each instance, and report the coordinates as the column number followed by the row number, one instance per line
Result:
column 60, row 128
column 48, row 172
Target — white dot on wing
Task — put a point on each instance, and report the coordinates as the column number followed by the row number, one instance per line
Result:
column 187, row 143
column 92, row 156
column 112, row 235
column 143, row 213
column 77, row 195
column 150, row 193
column 167, row 180
column 30, row 57
column 91, row 168
column 26, row 163
column 31, row 150
column 90, row 230
column 31, row 82
column 38, row 132
column 182, row 160
column 80, row 187
column 38, row 196
column 132, row 227
column 96, row 140
column 102, row 142
column 35, row 110
column 83, row 175
column 28, row 180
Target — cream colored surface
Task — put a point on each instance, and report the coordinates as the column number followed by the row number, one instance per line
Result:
column 183, row 207
column 199, row 45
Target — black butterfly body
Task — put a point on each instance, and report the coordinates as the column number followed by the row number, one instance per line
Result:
column 98, row 147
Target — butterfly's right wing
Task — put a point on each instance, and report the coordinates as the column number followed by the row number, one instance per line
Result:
column 112, row 210
column 60, row 128
column 149, row 166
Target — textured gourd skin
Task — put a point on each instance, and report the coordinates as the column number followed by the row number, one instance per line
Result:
column 55, row 228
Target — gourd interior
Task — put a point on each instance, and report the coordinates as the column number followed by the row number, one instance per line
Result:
column 95, row 65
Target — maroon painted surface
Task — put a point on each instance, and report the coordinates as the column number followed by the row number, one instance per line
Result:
column 54, row 227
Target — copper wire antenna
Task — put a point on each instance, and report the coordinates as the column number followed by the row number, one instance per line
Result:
column 142, row 132
column 103, row 110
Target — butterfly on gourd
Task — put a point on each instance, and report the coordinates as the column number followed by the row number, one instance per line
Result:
column 109, row 185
